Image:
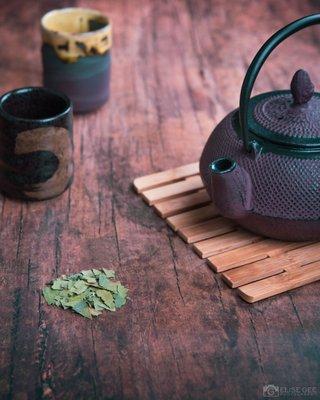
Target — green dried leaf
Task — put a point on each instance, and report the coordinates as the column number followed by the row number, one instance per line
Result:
column 74, row 277
column 72, row 301
column 82, row 309
column 98, row 304
column 79, row 287
column 103, row 281
column 121, row 296
column 49, row 295
column 107, row 298
column 87, row 293
column 88, row 273
column 112, row 286
column 119, row 300
column 122, row 290
column 109, row 273
column 59, row 284
column 94, row 312
column 90, row 280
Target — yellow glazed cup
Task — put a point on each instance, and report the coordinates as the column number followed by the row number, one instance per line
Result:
column 76, row 55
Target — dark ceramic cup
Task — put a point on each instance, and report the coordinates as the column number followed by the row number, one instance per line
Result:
column 76, row 55
column 35, row 143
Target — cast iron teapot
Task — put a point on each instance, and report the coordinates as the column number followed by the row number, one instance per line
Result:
column 261, row 164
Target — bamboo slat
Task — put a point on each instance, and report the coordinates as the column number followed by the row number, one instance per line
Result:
column 249, row 254
column 192, row 217
column 224, row 243
column 185, row 202
column 160, row 178
column 205, row 230
column 256, row 266
column 188, row 185
column 280, row 283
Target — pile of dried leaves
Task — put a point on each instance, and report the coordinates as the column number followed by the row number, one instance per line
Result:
column 87, row 293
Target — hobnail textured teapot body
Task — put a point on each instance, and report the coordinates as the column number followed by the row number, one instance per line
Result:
column 284, row 191
column 261, row 164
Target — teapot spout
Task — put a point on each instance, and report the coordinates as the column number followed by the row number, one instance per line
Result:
column 231, row 188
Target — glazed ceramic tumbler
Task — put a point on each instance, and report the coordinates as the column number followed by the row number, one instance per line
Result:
column 35, row 143
column 76, row 55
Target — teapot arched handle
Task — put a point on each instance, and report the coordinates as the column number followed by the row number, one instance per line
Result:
column 256, row 65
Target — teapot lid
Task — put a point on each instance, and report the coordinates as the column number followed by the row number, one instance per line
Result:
column 288, row 117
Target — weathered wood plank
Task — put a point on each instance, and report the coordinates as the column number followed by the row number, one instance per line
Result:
column 159, row 116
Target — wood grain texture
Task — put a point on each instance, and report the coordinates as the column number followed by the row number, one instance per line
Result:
column 192, row 217
column 158, row 178
column 206, row 230
column 288, row 261
column 172, row 190
column 223, row 243
column 245, row 258
column 177, row 70
column 249, row 254
column 285, row 281
column 182, row 203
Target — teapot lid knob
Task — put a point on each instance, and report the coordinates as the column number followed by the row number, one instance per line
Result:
column 302, row 88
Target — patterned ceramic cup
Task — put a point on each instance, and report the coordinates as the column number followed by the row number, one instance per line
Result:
column 76, row 55
column 35, row 143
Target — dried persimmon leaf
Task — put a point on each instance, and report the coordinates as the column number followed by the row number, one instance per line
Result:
column 87, row 293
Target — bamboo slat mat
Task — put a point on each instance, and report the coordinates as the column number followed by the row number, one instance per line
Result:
column 258, row 267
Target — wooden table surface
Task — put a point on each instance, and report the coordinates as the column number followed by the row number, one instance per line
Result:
column 177, row 70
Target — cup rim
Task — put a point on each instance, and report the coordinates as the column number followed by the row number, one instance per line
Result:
column 30, row 89
column 79, row 34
